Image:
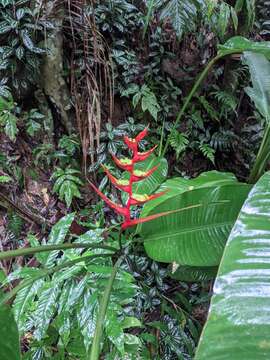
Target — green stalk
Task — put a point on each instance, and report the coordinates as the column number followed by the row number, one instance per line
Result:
column 190, row 96
column 47, row 272
column 148, row 16
column 33, row 250
column 262, row 156
column 161, row 139
column 95, row 349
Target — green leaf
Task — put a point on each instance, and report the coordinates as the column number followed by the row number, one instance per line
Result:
column 5, row 179
column 234, row 19
column 20, row 13
column 67, row 184
column 223, row 19
column 240, row 44
column 148, row 101
column 4, row 27
column 23, row 303
column 130, row 322
column 114, row 331
column 194, row 273
column 177, row 186
column 208, row 152
column 178, row 142
column 60, row 229
column 57, row 236
column 11, row 129
column 197, row 235
column 32, row 127
column 46, row 307
column 259, row 68
column 27, row 40
column 86, row 315
column 239, row 318
column 9, row 340
column 6, row 52
column 181, row 14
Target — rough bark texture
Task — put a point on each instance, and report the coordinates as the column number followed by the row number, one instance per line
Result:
column 53, row 82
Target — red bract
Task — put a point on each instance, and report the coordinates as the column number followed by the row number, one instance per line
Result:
column 127, row 185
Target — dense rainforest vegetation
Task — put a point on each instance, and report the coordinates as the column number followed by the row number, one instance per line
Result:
column 134, row 191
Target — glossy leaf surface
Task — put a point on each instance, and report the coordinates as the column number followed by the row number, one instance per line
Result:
column 239, row 319
column 239, row 44
column 178, row 185
column 197, row 235
column 194, row 273
column 259, row 68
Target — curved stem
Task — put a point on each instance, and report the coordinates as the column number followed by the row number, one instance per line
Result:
column 190, row 96
column 51, row 271
column 262, row 156
column 148, row 16
column 43, row 248
column 95, row 349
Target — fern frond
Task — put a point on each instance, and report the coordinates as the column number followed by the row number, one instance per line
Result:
column 178, row 142
column 227, row 100
column 208, row 152
column 15, row 224
column 213, row 114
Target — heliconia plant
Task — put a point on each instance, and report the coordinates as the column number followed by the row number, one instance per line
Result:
column 126, row 185
column 133, row 199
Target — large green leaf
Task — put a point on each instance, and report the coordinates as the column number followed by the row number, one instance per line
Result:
column 177, row 186
column 195, row 236
column 194, row 273
column 259, row 68
column 239, row 44
column 239, row 319
column 9, row 339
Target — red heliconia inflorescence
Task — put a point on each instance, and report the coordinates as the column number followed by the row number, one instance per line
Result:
column 127, row 185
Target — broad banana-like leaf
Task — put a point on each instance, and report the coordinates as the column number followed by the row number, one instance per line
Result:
column 194, row 273
column 197, row 235
column 259, row 68
column 177, row 186
column 239, row 318
column 239, row 44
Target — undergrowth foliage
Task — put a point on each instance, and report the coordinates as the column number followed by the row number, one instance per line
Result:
column 21, row 30
column 85, row 287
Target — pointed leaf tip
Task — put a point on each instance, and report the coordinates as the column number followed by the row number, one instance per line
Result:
column 144, row 155
column 125, row 164
column 116, row 207
column 142, row 134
